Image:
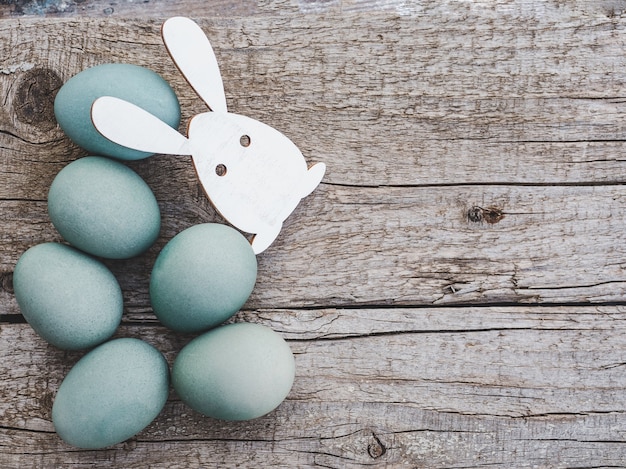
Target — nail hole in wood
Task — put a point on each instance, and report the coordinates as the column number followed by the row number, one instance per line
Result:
column 220, row 170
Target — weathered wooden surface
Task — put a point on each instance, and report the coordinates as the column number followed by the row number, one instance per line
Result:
column 210, row 8
column 454, row 291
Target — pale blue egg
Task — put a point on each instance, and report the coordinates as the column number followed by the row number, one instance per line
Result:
column 102, row 207
column 69, row 298
column 238, row 371
column 202, row 277
column 111, row 394
column 138, row 85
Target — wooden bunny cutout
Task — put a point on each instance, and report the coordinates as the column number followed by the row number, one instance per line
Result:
column 253, row 175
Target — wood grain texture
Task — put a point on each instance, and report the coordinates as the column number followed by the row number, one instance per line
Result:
column 453, row 291
column 509, row 386
column 196, row 8
column 126, row 8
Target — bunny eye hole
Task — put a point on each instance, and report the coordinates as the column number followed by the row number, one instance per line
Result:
column 220, row 170
column 245, row 141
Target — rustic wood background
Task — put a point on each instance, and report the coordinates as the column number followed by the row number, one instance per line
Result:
column 454, row 291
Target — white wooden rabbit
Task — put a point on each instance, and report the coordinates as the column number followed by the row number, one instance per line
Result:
column 254, row 175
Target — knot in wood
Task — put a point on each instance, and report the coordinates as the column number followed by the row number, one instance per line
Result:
column 6, row 282
column 34, row 98
column 46, row 402
column 475, row 214
column 376, row 448
column 490, row 214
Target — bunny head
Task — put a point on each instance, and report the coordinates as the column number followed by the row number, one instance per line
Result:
column 253, row 174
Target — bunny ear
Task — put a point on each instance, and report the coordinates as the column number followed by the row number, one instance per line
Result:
column 133, row 127
column 192, row 53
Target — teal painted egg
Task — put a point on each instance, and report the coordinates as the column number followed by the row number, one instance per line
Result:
column 104, row 208
column 138, row 85
column 202, row 277
column 239, row 371
column 69, row 298
column 111, row 394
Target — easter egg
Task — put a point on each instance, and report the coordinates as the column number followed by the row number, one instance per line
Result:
column 69, row 298
column 202, row 277
column 238, row 371
column 138, row 85
column 111, row 394
column 104, row 208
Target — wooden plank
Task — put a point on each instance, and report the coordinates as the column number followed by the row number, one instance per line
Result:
column 404, row 246
column 421, row 438
column 211, row 8
column 454, row 384
column 464, row 110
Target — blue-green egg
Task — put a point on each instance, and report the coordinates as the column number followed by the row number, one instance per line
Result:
column 202, row 277
column 111, row 394
column 138, row 85
column 102, row 207
column 239, row 371
column 69, row 298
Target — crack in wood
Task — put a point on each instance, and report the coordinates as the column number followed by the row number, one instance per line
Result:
column 30, row 430
column 32, row 142
column 568, row 287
